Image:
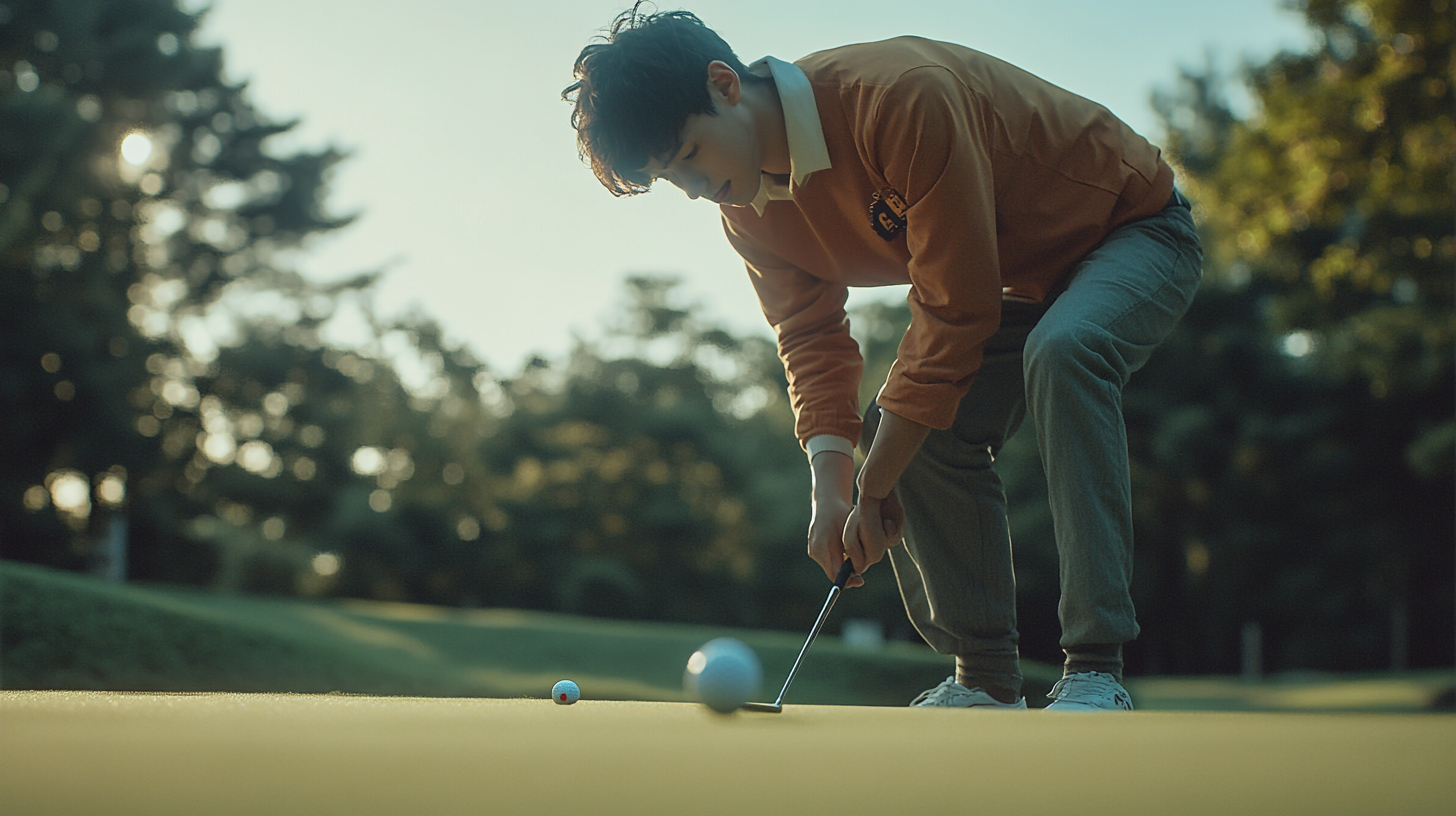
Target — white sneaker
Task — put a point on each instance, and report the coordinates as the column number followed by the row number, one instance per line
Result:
column 951, row 694
column 1089, row 691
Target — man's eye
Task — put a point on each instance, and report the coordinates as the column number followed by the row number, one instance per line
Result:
column 691, row 154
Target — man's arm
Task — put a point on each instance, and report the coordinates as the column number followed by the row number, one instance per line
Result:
column 821, row 360
column 930, row 139
column 929, row 136
column 823, row 366
column 896, row 442
column 832, row 502
column 878, row 521
column 862, row 534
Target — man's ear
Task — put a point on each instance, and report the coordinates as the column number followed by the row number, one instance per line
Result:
column 725, row 81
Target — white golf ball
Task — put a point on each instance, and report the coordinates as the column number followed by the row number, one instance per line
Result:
column 565, row 692
column 723, row 675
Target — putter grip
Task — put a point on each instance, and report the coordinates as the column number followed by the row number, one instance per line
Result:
column 845, row 572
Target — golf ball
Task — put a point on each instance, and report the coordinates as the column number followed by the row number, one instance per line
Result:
column 723, row 675
column 565, row 692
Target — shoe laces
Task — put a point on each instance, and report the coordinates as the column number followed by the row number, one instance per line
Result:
column 1088, row 684
column 948, row 690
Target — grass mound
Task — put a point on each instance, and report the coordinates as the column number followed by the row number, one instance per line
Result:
column 63, row 631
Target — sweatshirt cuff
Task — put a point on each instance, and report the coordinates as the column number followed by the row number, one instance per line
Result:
column 827, row 442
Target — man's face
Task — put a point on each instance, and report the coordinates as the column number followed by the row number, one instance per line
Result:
column 717, row 157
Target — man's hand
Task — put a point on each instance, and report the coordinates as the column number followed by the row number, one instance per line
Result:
column 877, row 524
column 833, row 489
column 873, row 527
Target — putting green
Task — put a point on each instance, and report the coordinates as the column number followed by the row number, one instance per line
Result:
column 159, row 754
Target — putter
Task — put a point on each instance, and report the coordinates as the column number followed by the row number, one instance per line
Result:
column 777, row 706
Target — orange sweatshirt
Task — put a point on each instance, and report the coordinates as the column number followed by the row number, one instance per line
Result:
column 962, row 175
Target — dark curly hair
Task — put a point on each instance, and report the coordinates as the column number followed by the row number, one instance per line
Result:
column 634, row 92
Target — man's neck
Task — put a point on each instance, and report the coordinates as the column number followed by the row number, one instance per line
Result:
column 768, row 118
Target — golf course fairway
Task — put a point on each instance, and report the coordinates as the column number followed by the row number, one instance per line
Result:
column 68, row 752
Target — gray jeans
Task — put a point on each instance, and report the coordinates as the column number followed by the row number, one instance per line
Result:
column 1066, row 364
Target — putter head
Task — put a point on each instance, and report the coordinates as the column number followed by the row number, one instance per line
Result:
column 767, row 708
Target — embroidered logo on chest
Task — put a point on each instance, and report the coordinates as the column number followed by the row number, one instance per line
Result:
column 887, row 213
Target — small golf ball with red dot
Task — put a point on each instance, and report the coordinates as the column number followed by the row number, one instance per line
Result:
column 565, row 692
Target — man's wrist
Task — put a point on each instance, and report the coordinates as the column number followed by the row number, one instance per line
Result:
column 833, row 478
column 870, row 487
column 833, row 489
column 825, row 443
column 897, row 440
column 871, row 496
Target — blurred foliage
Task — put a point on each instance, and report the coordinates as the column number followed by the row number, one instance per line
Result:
column 646, row 477
column 139, row 206
column 1337, row 193
column 1293, row 442
column 163, row 365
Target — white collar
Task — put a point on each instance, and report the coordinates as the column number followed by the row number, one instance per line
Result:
column 807, row 149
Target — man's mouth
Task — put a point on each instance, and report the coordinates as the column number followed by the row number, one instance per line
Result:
column 722, row 193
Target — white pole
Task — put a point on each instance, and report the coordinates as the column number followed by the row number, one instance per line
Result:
column 1253, row 652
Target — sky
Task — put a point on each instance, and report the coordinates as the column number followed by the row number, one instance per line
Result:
column 463, row 169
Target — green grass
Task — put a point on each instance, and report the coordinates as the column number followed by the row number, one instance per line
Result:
column 1296, row 691
column 63, row 631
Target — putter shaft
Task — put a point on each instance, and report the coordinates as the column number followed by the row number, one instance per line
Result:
column 839, row 581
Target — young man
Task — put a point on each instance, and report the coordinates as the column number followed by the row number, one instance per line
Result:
column 1047, row 255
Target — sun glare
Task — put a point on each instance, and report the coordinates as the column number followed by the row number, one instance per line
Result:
column 369, row 461
column 71, row 493
column 111, row 490
column 136, row 148
column 326, row 564
column 1299, row 343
